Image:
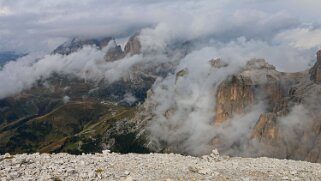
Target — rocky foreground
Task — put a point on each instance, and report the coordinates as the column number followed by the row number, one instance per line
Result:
column 112, row 166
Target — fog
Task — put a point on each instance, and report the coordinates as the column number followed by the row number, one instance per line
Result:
column 285, row 33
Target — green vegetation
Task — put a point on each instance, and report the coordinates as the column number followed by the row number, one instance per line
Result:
column 37, row 120
column 99, row 170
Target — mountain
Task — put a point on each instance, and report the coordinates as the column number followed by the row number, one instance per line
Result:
column 66, row 114
column 259, row 111
column 287, row 127
column 78, row 43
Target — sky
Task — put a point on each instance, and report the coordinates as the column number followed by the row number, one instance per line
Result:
column 35, row 25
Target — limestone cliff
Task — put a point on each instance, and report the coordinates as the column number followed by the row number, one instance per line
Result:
column 133, row 45
column 287, row 126
column 290, row 125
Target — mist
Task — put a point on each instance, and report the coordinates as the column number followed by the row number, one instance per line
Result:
column 284, row 33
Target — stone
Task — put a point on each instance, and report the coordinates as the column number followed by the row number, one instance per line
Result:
column 7, row 155
column 92, row 175
column 215, row 152
column 204, row 171
column 106, row 152
column 129, row 178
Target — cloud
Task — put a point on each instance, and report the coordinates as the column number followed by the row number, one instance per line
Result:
column 184, row 105
column 5, row 11
column 35, row 25
column 86, row 64
column 284, row 33
column 303, row 38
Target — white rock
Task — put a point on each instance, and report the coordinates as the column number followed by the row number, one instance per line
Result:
column 215, row 152
column 293, row 172
column 6, row 155
column 92, row 175
column 106, row 152
column 204, row 171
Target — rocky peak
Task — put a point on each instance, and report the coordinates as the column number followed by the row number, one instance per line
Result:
column 77, row 43
column 258, row 64
column 114, row 52
column 133, row 45
column 315, row 71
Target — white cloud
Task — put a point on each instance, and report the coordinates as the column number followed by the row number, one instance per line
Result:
column 305, row 38
column 34, row 23
column 5, row 11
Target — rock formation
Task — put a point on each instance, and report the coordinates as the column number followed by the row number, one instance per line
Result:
column 133, row 45
column 114, row 52
column 76, row 43
column 316, row 69
column 289, row 124
column 283, row 130
column 233, row 97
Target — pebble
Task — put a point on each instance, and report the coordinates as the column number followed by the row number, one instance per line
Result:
column 113, row 166
column 105, row 152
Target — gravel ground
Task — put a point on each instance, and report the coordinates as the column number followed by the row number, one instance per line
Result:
column 112, row 166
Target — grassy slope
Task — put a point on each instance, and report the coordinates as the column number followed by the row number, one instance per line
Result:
column 64, row 128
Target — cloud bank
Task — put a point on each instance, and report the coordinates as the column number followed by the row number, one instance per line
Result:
column 284, row 32
column 41, row 25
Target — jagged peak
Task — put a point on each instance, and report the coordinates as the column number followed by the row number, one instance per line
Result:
column 77, row 43
column 114, row 51
column 133, row 45
column 257, row 64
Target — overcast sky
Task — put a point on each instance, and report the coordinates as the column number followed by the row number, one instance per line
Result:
column 33, row 25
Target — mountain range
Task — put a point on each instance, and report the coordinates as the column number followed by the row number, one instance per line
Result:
column 259, row 111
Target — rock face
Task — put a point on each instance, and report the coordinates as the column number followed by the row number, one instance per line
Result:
column 133, row 45
column 76, row 44
column 290, row 125
column 233, row 97
column 316, row 69
column 115, row 52
column 238, row 92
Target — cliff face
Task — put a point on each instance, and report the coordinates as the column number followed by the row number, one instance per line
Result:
column 316, row 69
column 258, row 81
column 131, row 48
column 289, row 127
column 114, row 52
column 233, row 96
column 133, row 45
